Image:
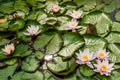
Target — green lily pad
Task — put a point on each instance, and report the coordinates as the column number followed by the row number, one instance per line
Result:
column 70, row 38
column 109, row 7
column 4, row 41
column 7, row 8
column 58, row 66
column 22, row 51
column 70, row 77
column 7, row 72
column 30, row 64
column 115, row 55
column 38, row 75
column 69, row 51
column 54, row 45
column 86, row 71
column 113, row 37
column 16, row 24
column 21, row 5
column 39, row 55
column 117, row 16
column 42, row 40
column 61, row 67
column 10, row 61
column 115, row 26
column 95, row 42
column 28, row 76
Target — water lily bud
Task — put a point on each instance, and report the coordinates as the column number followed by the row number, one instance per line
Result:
column 55, row 8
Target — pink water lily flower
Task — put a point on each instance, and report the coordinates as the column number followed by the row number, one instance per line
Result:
column 55, row 8
column 102, row 54
column 32, row 31
column 85, row 57
column 9, row 48
column 76, row 14
column 104, row 67
column 72, row 25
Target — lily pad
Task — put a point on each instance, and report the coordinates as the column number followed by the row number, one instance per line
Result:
column 95, row 42
column 30, row 64
column 69, row 51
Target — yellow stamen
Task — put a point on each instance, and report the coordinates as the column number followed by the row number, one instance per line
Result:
column 76, row 14
column 9, row 49
column 72, row 25
column 85, row 57
column 101, row 55
column 103, row 67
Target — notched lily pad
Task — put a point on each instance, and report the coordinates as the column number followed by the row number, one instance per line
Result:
column 30, row 64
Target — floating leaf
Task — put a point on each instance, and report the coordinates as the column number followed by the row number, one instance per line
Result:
column 94, row 43
column 86, row 71
column 115, row 26
column 70, row 77
column 21, row 5
column 54, row 45
column 7, row 72
column 117, row 16
column 61, row 67
column 16, row 24
column 10, row 61
column 42, row 40
column 22, row 50
column 7, row 8
column 30, row 64
column 70, row 38
column 109, row 7
column 113, row 37
column 69, row 51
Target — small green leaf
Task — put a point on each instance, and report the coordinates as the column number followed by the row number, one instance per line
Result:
column 115, row 26
column 109, row 7
column 21, row 5
column 4, row 41
column 39, row 55
column 58, row 65
column 30, row 64
column 86, row 71
column 117, row 16
column 16, row 24
column 7, row 7
column 70, row 77
column 10, row 61
column 22, row 50
column 113, row 37
column 115, row 55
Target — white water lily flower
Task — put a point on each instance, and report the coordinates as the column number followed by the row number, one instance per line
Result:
column 104, row 67
column 76, row 14
column 55, row 8
column 32, row 31
column 102, row 54
column 48, row 57
column 72, row 25
column 9, row 48
column 85, row 57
